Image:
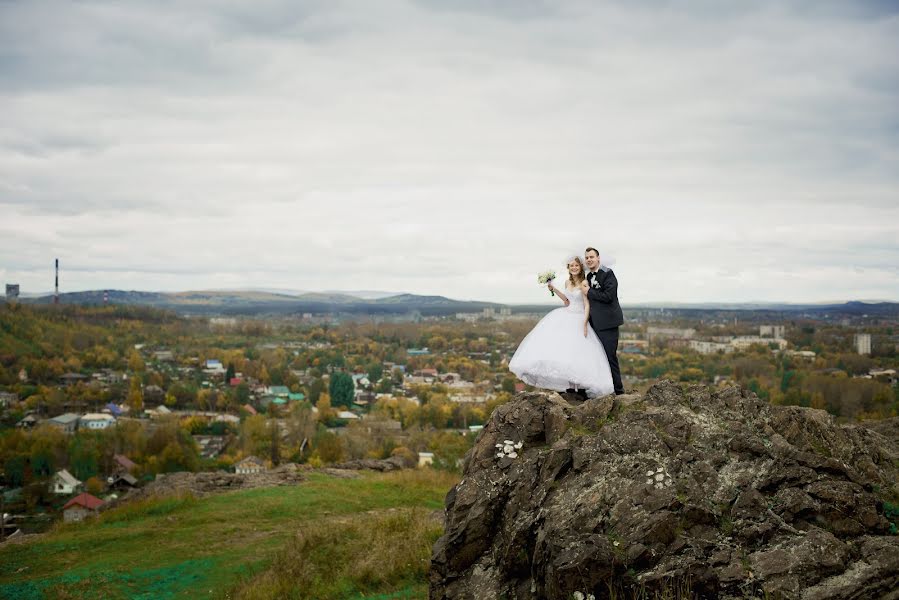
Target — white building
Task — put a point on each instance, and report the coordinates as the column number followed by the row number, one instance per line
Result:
column 863, row 343
column 64, row 483
column 804, row 354
column 669, row 333
column 745, row 341
column 7, row 399
column 250, row 464
column 704, row 347
column 425, row 459
column 96, row 421
column 776, row 331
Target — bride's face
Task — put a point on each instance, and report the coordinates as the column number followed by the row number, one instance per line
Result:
column 574, row 267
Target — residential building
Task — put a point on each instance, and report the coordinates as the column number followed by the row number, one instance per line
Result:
column 73, row 378
column 776, row 331
column 662, row 333
column 863, row 343
column 80, row 507
column 68, row 422
column 64, row 483
column 124, row 463
column 704, row 347
column 96, row 421
column 249, row 465
column 210, row 446
column 7, row 399
column 12, row 293
column 164, row 355
column 159, row 411
column 122, row 481
column 634, row 346
column 28, row 422
column 745, row 341
column 425, row 459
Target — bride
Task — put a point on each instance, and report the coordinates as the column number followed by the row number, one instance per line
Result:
column 562, row 352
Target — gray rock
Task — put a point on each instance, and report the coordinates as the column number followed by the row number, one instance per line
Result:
column 714, row 491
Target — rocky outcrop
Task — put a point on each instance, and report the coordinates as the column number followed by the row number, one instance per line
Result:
column 394, row 463
column 215, row 482
column 711, row 491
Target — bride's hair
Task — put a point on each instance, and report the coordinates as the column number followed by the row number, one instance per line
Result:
column 580, row 276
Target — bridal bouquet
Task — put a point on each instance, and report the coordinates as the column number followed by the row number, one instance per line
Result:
column 546, row 277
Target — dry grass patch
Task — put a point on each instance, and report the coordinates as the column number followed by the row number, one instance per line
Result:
column 349, row 555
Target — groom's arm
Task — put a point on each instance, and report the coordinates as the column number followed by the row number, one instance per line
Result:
column 609, row 291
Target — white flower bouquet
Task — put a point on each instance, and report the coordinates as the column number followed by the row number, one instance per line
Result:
column 546, row 277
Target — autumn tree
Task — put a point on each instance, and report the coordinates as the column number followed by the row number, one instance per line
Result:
column 135, row 397
column 135, row 362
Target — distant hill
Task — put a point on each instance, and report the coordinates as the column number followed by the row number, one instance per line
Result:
column 250, row 302
column 262, row 302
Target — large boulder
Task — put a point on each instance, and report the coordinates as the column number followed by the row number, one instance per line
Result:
column 711, row 491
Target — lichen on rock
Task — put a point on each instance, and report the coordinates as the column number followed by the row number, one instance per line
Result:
column 714, row 491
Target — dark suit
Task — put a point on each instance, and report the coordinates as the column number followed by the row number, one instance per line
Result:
column 606, row 317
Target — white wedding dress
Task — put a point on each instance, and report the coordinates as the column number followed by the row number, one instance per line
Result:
column 555, row 355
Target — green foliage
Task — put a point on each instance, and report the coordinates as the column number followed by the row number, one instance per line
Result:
column 341, row 389
column 328, row 446
column 242, row 393
column 14, row 470
column 891, row 512
column 375, row 371
column 84, row 457
column 449, row 448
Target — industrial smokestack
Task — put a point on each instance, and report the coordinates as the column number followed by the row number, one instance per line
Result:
column 56, row 287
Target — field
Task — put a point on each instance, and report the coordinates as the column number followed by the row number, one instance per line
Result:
column 329, row 537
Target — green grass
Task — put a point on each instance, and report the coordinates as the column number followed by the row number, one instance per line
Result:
column 183, row 547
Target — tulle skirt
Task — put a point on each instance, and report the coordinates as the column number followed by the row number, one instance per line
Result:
column 556, row 355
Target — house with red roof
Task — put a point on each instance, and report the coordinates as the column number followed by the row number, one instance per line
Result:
column 80, row 507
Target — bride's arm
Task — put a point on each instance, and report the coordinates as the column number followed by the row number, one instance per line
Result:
column 558, row 292
column 586, row 316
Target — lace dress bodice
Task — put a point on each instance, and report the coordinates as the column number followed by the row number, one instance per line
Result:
column 575, row 298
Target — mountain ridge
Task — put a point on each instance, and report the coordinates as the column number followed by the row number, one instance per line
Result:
column 262, row 301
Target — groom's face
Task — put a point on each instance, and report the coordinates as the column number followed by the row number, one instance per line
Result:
column 592, row 260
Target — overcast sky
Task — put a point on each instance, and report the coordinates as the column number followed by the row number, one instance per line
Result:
column 741, row 153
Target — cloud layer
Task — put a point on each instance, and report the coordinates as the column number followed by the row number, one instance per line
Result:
column 721, row 153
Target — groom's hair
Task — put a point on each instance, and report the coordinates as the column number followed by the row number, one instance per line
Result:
column 591, row 250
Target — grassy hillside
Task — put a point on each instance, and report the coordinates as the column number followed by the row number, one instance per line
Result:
column 328, row 537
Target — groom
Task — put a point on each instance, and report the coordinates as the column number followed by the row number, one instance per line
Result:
column 601, row 288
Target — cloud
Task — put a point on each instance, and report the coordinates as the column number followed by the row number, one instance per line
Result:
column 750, row 151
